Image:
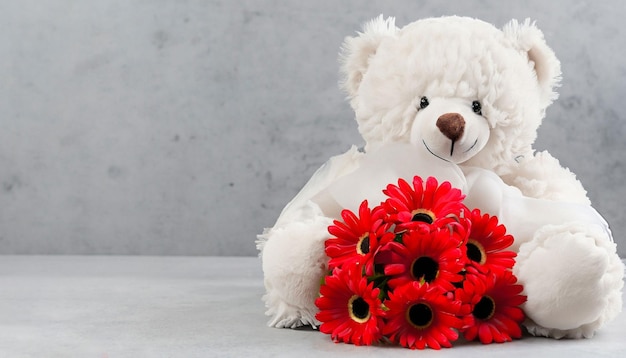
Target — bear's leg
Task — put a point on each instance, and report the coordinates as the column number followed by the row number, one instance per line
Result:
column 572, row 277
column 294, row 263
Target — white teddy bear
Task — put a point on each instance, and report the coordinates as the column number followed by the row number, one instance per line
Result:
column 460, row 100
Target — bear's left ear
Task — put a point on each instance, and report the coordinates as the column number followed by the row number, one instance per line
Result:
column 529, row 39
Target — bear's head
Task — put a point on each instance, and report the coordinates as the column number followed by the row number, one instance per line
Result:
column 461, row 88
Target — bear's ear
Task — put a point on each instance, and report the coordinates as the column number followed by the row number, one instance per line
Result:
column 356, row 51
column 526, row 37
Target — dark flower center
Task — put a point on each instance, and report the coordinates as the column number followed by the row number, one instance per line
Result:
column 485, row 308
column 425, row 268
column 423, row 216
column 359, row 309
column 364, row 245
column 476, row 252
column 459, row 284
column 420, row 315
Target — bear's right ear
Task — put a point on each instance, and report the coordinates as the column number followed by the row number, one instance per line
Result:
column 356, row 51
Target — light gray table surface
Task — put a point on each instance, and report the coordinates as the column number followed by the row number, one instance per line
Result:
column 129, row 306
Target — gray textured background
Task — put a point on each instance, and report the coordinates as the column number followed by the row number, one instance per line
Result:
column 184, row 127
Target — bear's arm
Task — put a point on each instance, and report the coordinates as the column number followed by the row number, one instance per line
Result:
column 523, row 215
column 335, row 168
column 543, row 177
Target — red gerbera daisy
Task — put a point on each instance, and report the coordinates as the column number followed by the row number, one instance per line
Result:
column 494, row 312
column 487, row 243
column 421, row 315
column 356, row 239
column 350, row 310
column 433, row 257
column 423, row 203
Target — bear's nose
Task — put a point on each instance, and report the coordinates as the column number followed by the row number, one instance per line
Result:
column 451, row 125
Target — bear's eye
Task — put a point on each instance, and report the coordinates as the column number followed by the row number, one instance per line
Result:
column 424, row 102
column 477, row 108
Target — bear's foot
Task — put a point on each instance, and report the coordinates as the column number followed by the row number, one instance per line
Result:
column 294, row 263
column 584, row 331
column 572, row 277
column 285, row 315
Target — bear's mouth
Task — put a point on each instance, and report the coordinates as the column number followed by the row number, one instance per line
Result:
column 451, row 149
column 433, row 153
column 472, row 146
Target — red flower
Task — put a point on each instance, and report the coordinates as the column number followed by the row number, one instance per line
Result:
column 487, row 243
column 350, row 310
column 357, row 239
column 493, row 313
column 430, row 204
column 419, row 270
column 421, row 315
column 433, row 257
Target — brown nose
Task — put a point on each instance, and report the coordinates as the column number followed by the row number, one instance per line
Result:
column 451, row 125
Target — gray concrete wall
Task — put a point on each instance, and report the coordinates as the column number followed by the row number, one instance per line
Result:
column 183, row 127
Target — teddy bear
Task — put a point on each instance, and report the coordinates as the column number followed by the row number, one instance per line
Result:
column 460, row 100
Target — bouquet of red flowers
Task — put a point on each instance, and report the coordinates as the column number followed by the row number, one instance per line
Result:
column 419, row 270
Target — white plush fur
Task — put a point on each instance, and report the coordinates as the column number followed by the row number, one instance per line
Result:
column 293, row 269
column 572, row 279
column 567, row 260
